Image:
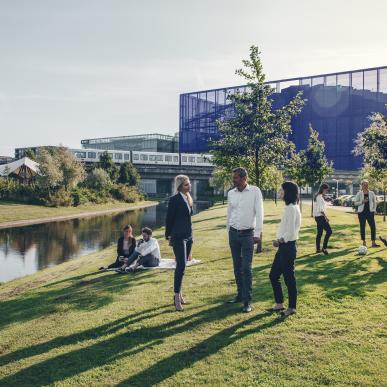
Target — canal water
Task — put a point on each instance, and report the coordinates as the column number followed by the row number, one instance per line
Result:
column 25, row 250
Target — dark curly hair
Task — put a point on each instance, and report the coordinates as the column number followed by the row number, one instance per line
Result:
column 291, row 195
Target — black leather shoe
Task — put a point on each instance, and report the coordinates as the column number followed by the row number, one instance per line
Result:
column 247, row 307
column 235, row 300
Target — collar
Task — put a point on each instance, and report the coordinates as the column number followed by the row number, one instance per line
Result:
column 247, row 188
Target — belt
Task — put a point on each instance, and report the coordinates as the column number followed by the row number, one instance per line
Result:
column 241, row 231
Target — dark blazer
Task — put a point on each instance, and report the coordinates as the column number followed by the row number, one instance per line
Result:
column 120, row 245
column 178, row 222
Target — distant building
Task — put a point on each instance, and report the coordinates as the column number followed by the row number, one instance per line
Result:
column 142, row 143
column 21, row 152
column 5, row 159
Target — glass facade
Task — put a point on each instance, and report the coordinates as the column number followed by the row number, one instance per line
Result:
column 337, row 107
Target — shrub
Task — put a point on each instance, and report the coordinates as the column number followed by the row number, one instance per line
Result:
column 98, row 179
column 126, row 193
column 60, row 198
column 380, row 207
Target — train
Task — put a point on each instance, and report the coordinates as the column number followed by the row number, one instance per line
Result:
column 145, row 158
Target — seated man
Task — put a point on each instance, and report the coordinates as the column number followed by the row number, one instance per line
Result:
column 125, row 247
column 147, row 253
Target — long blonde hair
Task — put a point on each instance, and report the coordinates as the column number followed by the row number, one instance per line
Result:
column 179, row 181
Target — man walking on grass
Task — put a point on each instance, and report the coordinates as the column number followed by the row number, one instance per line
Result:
column 244, row 225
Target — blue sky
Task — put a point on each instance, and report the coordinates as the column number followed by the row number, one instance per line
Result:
column 90, row 68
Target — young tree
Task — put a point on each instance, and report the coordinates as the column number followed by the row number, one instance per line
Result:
column 98, row 179
column 50, row 175
column 372, row 145
column 221, row 180
column 106, row 162
column 314, row 165
column 271, row 180
column 72, row 169
column 129, row 175
column 256, row 137
column 293, row 171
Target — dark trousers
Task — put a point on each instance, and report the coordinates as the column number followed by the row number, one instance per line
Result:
column 181, row 249
column 369, row 217
column 117, row 263
column 242, row 250
column 322, row 225
column 148, row 260
column 284, row 264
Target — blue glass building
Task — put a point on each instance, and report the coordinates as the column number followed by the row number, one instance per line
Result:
column 338, row 106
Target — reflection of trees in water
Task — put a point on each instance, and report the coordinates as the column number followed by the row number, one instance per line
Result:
column 57, row 242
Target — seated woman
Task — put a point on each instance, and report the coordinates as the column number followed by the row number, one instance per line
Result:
column 147, row 253
column 125, row 248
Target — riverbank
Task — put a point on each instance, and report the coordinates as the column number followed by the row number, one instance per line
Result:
column 16, row 214
column 71, row 325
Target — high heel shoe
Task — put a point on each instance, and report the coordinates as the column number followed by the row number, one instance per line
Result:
column 182, row 300
column 177, row 302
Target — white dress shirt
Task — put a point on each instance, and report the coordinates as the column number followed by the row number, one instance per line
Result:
column 319, row 206
column 186, row 201
column 149, row 247
column 245, row 209
column 289, row 226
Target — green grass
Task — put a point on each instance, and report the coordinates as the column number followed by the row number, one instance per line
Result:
column 72, row 326
column 10, row 211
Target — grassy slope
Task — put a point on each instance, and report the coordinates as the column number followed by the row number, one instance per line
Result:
column 10, row 211
column 68, row 325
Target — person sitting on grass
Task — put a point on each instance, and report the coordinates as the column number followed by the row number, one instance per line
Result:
column 147, row 253
column 125, row 248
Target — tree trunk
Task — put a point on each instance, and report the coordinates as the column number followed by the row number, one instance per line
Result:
column 256, row 168
column 384, row 205
column 311, row 213
column 300, row 199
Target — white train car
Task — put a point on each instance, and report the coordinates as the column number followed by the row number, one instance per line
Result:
column 155, row 158
column 198, row 160
column 93, row 155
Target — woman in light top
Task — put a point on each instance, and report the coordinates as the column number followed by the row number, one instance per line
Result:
column 287, row 235
column 320, row 216
column 365, row 201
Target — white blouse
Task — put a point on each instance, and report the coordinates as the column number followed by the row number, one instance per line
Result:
column 290, row 224
column 319, row 206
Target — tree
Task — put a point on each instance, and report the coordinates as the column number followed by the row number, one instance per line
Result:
column 271, row 180
column 314, row 166
column 106, row 162
column 293, row 171
column 50, row 174
column 30, row 153
column 72, row 169
column 129, row 175
column 221, row 180
column 372, row 145
column 256, row 137
column 98, row 179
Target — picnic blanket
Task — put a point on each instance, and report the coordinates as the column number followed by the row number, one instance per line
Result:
column 167, row 263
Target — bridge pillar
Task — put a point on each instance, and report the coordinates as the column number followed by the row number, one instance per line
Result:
column 194, row 189
column 172, row 187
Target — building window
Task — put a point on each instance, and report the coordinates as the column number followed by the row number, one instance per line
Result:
column 144, row 157
column 118, row 156
column 200, row 160
column 176, row 159
column 191, row 159
column 91, row 155
column 126, row 156
column 159, row 158
column 135, row 156
column 80, row 155
column 168, row 158
column 184, row 159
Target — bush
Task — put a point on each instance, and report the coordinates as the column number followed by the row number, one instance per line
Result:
column 98, row 179
column 60, row 198
column 126, row 193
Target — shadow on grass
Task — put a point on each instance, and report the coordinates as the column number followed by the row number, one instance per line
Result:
column 128, row 343
column 81, row 293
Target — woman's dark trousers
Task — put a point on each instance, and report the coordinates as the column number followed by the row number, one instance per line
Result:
column 370, row 218
column 322, row 225
column 284, row 264
column 182, row 250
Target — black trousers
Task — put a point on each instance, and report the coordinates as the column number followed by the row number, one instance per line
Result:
column 322, row 225
column 117, row 263
column 181, row 249
column 370, row 218
column 284, row 264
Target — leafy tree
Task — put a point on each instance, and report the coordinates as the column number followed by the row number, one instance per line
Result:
column 106, row 162
column 372, row 145
column 271, row 180
column 50, row 174
column 72, row 169
column 30, row 153
column 129, row 175
column 256, row 137
column 314, row 166
column 98, row 179
column 294, row 171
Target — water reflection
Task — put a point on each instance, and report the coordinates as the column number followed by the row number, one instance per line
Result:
column 25, row 250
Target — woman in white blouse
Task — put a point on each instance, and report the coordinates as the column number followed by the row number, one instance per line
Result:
column 287, row 234
column 320, row 216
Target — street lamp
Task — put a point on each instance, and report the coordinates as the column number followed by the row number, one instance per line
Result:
column 337, row 187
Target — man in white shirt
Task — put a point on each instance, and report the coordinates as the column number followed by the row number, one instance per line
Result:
column 244, row 225
column 147, row 253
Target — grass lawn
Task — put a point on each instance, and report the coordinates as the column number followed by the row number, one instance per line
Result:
column 72, row 326
column 10, row 211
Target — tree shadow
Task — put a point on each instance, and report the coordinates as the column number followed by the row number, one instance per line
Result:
column 128, row 343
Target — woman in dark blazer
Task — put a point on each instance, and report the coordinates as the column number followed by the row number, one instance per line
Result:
column 178, row 230
column 125, row 247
